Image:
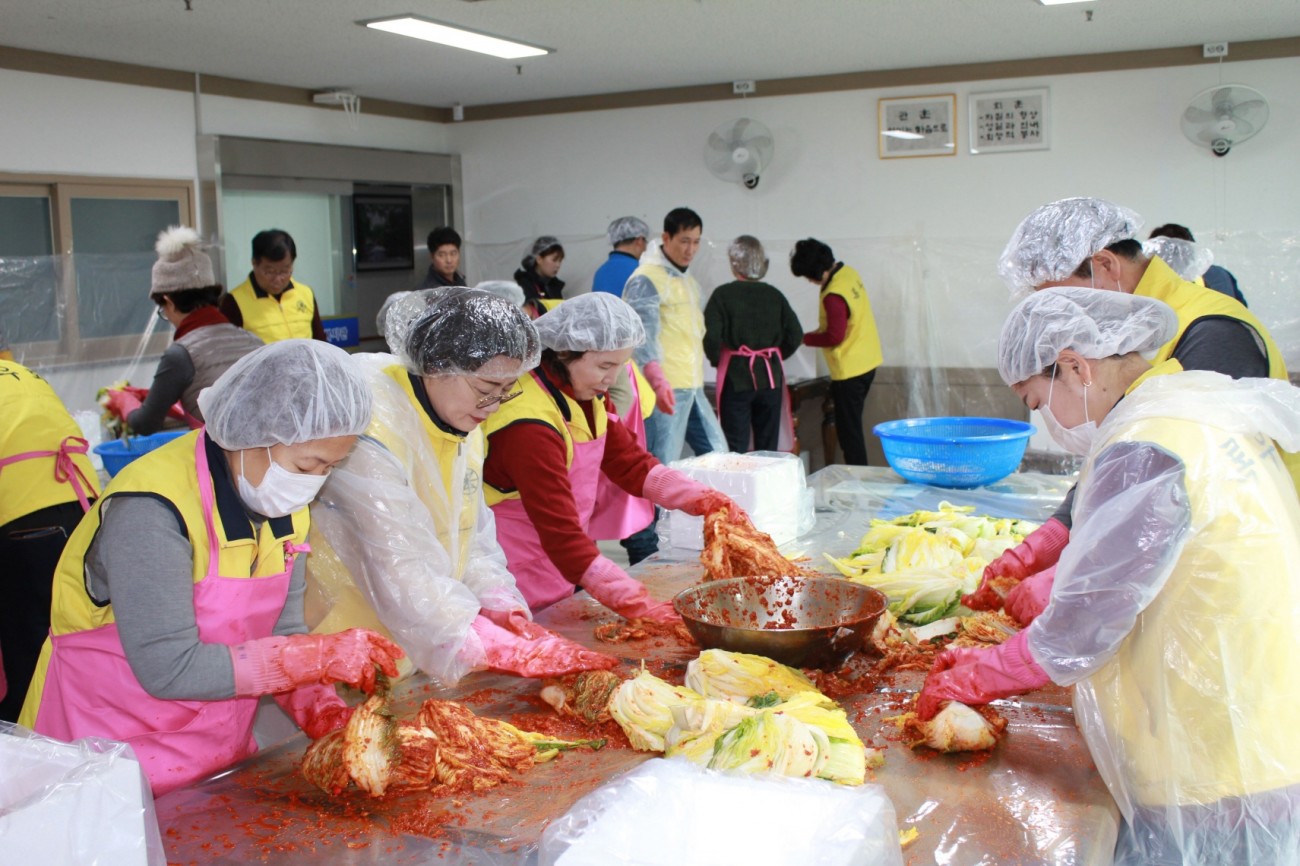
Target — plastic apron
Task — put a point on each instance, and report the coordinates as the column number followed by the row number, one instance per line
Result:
column 176, row 742
column 65, row 470
column 536, row 576
column 785, row 433
column 617, row 513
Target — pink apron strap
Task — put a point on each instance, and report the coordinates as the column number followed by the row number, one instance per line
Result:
column 66, row 470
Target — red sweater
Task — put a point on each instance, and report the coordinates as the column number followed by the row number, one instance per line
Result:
column 837, row 324
column 530, row 458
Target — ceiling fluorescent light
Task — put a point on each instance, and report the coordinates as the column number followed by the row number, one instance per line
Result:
column 1061, row 2
column 457, row 37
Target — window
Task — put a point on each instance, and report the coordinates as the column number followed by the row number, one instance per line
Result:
column 76, row 256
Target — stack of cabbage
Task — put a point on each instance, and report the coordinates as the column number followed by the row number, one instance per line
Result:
column 743, row 712
column 927, row 560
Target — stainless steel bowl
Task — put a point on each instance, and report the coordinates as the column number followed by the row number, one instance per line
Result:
column 815, row 622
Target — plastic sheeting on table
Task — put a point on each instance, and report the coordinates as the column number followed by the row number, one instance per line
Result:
column 1037, row 798
column 878, row 492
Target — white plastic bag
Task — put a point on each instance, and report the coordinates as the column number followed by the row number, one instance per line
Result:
column 74, row 803
column 672, row 811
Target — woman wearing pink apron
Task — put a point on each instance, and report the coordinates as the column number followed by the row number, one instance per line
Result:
column 178, row 600
column 617, row 513
column 749, row 329
column 549, row 449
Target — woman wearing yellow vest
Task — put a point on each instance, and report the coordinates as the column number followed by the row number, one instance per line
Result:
column 402, row 537
column 549, row 450
column 846, row 334
column 46, row 484
column 538, row 276
column 178, row 600
column 1174, row 607
column 269, row 303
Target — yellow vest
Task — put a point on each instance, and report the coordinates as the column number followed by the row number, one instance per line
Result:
column 1199, row 697
column 169, row 473
column 32, row 418
column 1191, row 302
column 548, row 304
column 860, row 350
column 458, row 458
column 556, row 410
column 681, row 325
column 285, row 319
column 644, row 391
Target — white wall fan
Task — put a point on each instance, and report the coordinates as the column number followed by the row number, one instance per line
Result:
column 1224, row 116
column 738, row 151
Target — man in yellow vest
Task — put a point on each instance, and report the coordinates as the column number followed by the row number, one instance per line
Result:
column 269, row 303
column 46, row 483
column 1090, row 242
column 846, row 334
column 1174, row 608
column 667, row 299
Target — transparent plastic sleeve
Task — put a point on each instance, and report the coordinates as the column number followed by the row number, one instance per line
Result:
column 82, row 802
column 672, row 811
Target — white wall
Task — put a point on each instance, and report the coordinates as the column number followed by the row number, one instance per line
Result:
column 926, row 233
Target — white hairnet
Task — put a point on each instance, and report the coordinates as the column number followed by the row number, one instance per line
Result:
column 747, row 257
column 1188, row 259
column 455, row 330
column 287, row 392
column 507, row 289
column 627, row 228
column 545, row 245
column 381, row 318
column 1094, row 323
column 1051, row 243
column 594, row 322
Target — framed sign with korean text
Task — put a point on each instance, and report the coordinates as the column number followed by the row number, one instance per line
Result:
column 1009, row 120
column 918, row 126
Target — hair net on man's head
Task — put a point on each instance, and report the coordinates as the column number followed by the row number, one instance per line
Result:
column 508, row 289
column 1188, row 259
column 381, row 318
column 625, row 229
column 463, row 330
column 747, row 257
column 1051, row 243
column 1096, row 324
column 594, row 322
column 287, row 392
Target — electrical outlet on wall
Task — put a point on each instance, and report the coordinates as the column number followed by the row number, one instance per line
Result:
column 1214, row 49
column 742, row 88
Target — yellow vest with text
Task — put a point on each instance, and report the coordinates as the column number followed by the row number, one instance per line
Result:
column 1199, row 697
column 273, row 320
column 169, row 473
column 536, row 404
column 458, row 458
column 33, row 418
column 681, row 325
column 1191, row 302
column 859, row 352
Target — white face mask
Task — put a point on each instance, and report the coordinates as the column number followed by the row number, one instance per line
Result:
column 281, row 492
column 1076, row 440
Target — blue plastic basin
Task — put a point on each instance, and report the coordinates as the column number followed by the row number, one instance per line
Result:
column 954, row 452
column 117, row 453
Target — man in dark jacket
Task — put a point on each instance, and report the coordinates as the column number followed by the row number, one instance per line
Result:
column 444, row 259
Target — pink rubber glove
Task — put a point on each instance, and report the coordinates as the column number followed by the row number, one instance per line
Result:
column 621, row 593
column 515, row 622
column 665, row 399
column 977, row 676
column 317, row 709
column 1029, row 598
column 1040, row 549
column 676, row 490
column 548, row 655
column 271, row 665
column 121, row 403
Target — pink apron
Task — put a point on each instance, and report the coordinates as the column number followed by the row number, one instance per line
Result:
column 66, row 471
column 617, row 513
column 91, row 691
column 785, row 435
column 537, row 577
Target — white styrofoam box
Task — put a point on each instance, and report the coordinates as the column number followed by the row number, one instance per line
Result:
column 71, row 803
column 770, row 486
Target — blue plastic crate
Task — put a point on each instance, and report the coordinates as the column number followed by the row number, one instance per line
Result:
column 117, row 453
column 954, row 452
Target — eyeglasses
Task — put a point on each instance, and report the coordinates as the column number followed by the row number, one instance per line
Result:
column 488, row 399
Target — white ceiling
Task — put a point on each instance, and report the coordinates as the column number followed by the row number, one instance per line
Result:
column 608, row 46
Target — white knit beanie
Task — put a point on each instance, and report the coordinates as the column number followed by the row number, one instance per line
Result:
column 181, row 264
